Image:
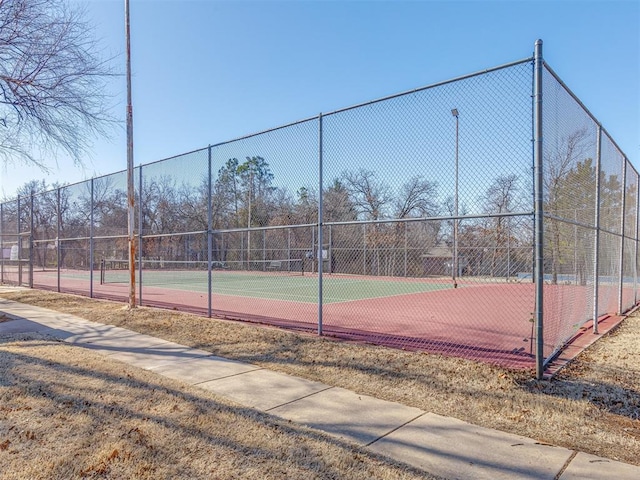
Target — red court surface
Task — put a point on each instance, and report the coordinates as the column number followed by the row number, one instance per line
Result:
column 486, row 322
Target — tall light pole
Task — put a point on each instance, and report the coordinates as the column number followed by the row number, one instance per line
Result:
column 454, row 112
column 130, row 190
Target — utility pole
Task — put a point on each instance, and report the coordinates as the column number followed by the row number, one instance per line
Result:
column 130, row 190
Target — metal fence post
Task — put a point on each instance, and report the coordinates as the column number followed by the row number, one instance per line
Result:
column 456, row 212
column 313, row 246
column 264, row 248
column 508, row 220
column 330, row 252
column 538, row 208
column 622, row 226
column 19, row 237
column 209, row 233
column 58, row 221
column 140, row 235
column 364, row 248
column 406, row 244
column 576, row 279
column 31, row 225
column 635, row 238
column 91, row 244
column 320, row 221
column 596, row 247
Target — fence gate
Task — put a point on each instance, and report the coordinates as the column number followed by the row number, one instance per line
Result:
column 15, row 263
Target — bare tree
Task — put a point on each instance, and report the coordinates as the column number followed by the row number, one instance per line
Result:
column 501, row 197
column 52, row 81
column 369, row 195
column 563, row 188
column 43, row 210
column 389, row 242
column 417, row 198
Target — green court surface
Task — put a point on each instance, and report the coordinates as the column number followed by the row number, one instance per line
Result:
column 295, row 288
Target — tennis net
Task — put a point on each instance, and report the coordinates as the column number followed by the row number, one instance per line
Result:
column 166, row 272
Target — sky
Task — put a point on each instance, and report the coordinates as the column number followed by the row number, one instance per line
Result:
column 208, row 71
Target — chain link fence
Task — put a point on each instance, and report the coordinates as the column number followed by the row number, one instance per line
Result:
column 407, row 221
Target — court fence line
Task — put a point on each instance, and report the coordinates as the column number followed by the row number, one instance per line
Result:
column 416, row 220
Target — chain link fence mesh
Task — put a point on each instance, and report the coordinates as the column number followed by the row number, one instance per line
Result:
column 406, row 221
column 265, row 205
column 427, row 198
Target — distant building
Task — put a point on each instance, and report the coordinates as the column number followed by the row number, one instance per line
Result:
column 438, row 261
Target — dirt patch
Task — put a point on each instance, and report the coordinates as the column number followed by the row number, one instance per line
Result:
column 591, row 406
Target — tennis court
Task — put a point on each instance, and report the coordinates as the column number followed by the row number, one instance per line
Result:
column 481, row 320
column 287, row 283
column 484, row 319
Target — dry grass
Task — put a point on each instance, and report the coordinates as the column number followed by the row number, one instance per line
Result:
column 66, row 413
column 592, row 406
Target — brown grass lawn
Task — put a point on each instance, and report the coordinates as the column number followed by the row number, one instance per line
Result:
column 66, row 411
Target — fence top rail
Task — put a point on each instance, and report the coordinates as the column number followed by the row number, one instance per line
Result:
column 259, row 229
column 14, row 234
column 174, row 234
column 569, row 221
column 63, row 239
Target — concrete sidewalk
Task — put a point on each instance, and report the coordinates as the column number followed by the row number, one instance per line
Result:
column 438, row 445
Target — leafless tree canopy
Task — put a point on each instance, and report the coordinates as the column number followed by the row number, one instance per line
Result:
column 52, row 81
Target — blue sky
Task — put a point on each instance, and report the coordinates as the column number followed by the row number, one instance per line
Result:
column 206, row 71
